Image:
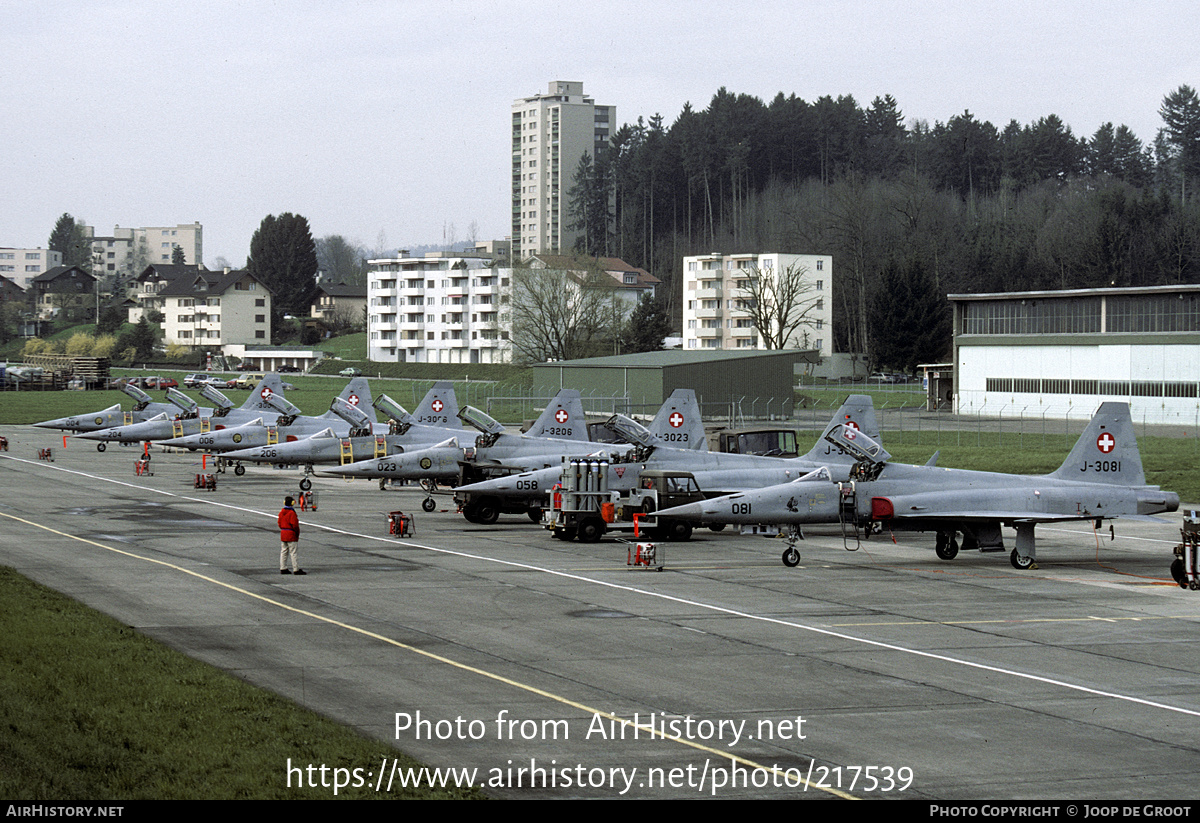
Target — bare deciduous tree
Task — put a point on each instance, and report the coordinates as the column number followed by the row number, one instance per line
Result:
column 563, row 315
column 782, row 304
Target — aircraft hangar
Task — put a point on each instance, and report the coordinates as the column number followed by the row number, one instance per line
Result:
column 1060, row 354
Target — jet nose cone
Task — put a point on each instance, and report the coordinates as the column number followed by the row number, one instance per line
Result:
column 190, row 442
column 688, row 511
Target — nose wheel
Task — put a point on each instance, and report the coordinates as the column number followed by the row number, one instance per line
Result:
column 428, row 504
column 791, row 555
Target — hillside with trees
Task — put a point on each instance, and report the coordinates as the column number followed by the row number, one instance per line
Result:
column 960, row 206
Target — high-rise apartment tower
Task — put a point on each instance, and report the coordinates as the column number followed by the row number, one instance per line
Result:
column 550, row 133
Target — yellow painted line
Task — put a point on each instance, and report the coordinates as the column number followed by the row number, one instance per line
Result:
column 724, row 610
column 516, row 684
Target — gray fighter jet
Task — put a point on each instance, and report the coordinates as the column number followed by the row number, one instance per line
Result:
column 190, row 419
column 560, row 430
column 715, row 472
column 328, row 447
column 1101, row 478
column 288, row 425
column 144, row 408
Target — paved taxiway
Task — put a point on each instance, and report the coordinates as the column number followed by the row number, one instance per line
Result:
column 1073, row 681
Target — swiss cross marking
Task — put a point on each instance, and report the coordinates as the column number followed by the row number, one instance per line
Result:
column 352, row 400
column 1106, row 442
column 436, row 405
column 676, row 420
column 266, row 392
column 561, row 415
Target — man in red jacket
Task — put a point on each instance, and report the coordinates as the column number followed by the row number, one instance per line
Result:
column 289, row 537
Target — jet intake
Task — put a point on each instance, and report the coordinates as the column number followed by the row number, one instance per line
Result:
column 882, row 509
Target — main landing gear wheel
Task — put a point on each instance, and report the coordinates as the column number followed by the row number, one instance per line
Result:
column 1020, row 561
column 305, row 484
column 679, row 530
column 534, row 513
column 591, row 530
column 239, row 469
column 428, row 504
column 947, row 547
column 717, row 527
column 1178, row 574
column 791, row 557
column 101, row 447
column 487, row 512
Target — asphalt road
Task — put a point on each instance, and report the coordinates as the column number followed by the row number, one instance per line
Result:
column 882, row 672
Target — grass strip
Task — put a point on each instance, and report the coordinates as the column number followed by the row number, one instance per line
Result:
column 92, row 710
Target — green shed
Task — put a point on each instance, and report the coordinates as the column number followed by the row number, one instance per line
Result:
column 753, row 382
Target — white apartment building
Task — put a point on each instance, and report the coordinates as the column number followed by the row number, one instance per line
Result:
column 716, row 290
column 550, row 133
column 128, row 251
column 21, row 266
column 207, row 309
column 440, row 308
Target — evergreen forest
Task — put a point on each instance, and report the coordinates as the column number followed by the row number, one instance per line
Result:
column 903, row 207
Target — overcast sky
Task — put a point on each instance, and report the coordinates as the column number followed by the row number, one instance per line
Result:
column 393, row 117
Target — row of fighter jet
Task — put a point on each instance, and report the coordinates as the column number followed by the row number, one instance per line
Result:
column 847, row 476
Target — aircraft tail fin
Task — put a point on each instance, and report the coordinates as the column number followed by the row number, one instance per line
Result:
column 257, row 401
column 858, row 412
column 678, row 422
column 562, row 419
column 440, row 407
column 1107, row 451
column 358, row 394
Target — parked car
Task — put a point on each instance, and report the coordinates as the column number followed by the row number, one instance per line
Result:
column 160, row 383
column 217, row 382
column 350, row 371
column 195, row 381
column 288, row 369
column 248, row 380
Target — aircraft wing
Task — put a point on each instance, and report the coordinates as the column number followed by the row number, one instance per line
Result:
column 998, row 514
